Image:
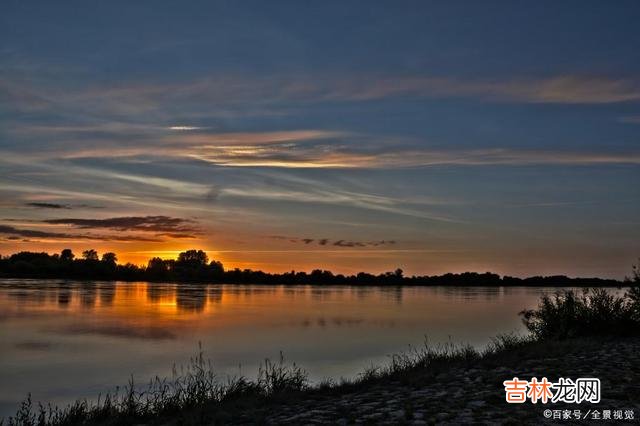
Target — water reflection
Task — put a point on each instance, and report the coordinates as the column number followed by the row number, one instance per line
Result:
column 191, row 298
column 87, row 295
column 165, row 300
column 98, row 333
column 107, row 293
column 198, row 298
column 64, row 295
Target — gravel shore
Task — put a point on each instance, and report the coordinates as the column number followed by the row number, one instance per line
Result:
column 474, row 393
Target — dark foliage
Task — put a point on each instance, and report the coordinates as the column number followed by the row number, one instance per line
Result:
column 594, row 312
column 194, row 266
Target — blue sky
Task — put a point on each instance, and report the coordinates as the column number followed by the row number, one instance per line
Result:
column 431, row 136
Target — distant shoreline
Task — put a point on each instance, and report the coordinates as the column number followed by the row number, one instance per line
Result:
column 193, row 266
column 517, row 282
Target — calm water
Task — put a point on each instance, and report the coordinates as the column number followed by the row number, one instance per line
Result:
column 62, row 339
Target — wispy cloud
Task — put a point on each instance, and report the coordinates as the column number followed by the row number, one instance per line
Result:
column 335, row 243
column 142, row 228
column 630, row 119
column 342, row 153
column 334, row 196
column 186, row 128
column 10, row 230
column 201, row 144
column 49, row 205
column 159, row 224
column 38, row 234
column 327, row 149
column 220, row 95
column 568, row 89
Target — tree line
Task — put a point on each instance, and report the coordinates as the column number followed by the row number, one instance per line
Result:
column 195, row 266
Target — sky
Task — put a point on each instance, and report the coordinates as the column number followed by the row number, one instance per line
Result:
column 352, row 136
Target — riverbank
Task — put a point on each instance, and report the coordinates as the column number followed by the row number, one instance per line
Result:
column 457, row 391
column 444, row 386
column 474, row 392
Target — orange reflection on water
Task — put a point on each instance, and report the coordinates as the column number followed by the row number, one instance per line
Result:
column 139, row 310
column 109, row 330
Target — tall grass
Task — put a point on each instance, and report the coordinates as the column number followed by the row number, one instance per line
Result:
column 191, row 386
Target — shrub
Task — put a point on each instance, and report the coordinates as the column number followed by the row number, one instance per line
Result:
column 595, row 312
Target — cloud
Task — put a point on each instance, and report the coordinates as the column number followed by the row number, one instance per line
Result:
column 313, row 192
column 49, row 205
column 10, row 230
column 340, row 155
column 58, row 206
column 343, row 243
column 205, row 145
column 308, row 148
column 347, row 243
column 177, row 235
column 574, row 90
column 336, row 243
column 567, row 89
column 632, row 119
column 15, row 233
column 220, row 95
column 156, row 224
column 331, row 149
column 213, row 193
column 186, row 128
column 328, row 154
column 570, row 89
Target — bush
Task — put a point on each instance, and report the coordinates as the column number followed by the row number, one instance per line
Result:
column 595, row 312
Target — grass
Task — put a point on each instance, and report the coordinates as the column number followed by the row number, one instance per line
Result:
column 191, row 386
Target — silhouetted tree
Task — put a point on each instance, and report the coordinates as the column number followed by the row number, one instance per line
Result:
column 156, row 264
column 110, row 259
column 192, row 259
column 67, row 255
column 129, row 271
column 90, row 254
column 157, row 268
column 194, row 266
column 216, row 269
